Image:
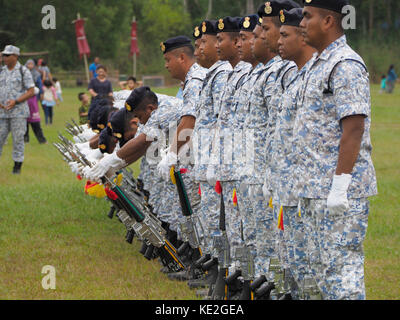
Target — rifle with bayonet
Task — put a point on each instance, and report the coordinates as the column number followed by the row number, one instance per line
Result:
column 145, row 226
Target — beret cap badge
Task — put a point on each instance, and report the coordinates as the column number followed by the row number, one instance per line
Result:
column 196, row 32
column 204, row 27
column 268, row 8
column 308, row 1
column 221, row 24
column 103, row 147
column 118, row 135
column 162, row 45
column 128, row 107
column 246, row 23
column 282, row 16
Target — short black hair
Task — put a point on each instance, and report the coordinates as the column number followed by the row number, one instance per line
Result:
column 148, row 98
column 47, row 83
column 80, row 96
column 132, row 78
column 55, row 79
column 100, row 66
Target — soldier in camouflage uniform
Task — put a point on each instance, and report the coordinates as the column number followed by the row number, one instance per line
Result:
column 333, row 146
column 256, row 130
column 221, row 167
column 156, row 113
column 291, row 47
column 207, row 111
column 180, row 62
column 16, row 87
column 260, row 56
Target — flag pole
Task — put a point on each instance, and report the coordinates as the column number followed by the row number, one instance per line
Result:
column 84, row 55
column 134, row 55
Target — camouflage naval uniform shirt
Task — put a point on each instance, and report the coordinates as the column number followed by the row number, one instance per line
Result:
column 11, row 88
column 240, row 111
column 192, row 88
column 256, row 122
column 207, row 112
column 336, row 86
column 226, row 133
column 283, row 159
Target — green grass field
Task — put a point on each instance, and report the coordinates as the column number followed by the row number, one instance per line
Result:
column 46, row 219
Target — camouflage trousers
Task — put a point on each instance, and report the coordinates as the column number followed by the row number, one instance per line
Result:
column 17, row 127
column 248, row 218
column 292, row 248
column 209, row 212
column 265, row 232
column 335, row 247
column 233, row 222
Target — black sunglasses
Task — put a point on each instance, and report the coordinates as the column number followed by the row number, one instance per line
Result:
column 6, row 55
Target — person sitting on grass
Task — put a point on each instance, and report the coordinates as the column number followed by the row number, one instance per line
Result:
column 84, row 108
column 130, row 84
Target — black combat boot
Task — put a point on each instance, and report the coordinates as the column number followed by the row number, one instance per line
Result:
column 17, row 168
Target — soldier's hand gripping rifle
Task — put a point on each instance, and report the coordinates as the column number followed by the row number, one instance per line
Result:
column 221, row 243
column 146, row 226
column 188, row 225
column 80, row 130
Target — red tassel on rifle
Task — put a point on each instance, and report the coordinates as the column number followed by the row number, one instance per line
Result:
column 111, row 194
column 218, row 187
column 199, row 190
column 184, row 170
column 79, row 177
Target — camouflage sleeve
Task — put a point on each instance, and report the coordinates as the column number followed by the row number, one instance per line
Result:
column 218, row 87
column 191, row 96
column 28, row 79
column 151, row 128
column 351, row 89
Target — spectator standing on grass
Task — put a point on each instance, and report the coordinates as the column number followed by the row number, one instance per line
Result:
column 84, row 109
column 99, row 88
column 93, row 67
column 49, row 100
column 16, row 87
column 57, row 85
column 34, row 118
column 391, row 79
column 44, row 69
column 383, row 84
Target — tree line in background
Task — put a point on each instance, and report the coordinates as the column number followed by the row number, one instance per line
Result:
column 108, row 29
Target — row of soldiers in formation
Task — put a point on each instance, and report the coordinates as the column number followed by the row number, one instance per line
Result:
column 273, row 132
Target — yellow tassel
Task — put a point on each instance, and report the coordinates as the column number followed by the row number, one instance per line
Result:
column 270, row 203
column 118, row 179
column 234, row 198
column 97, row 191
column 300, row 213
column 280, row 219
column 172, row 174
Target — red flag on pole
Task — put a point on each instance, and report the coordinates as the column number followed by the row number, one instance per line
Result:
column 134, row 45
column 81, row 40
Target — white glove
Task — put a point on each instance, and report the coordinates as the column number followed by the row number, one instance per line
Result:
column 84, row 127
column 106, row 166
column 83, row 147
column 337, row 200
column 94, row 155
column 87, row 135
column 164, row 167
column 74, row 167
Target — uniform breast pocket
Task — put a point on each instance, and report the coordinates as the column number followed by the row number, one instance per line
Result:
column 314, row 97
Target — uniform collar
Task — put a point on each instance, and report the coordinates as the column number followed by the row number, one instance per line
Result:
column 326, row 54
column 277, row 58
